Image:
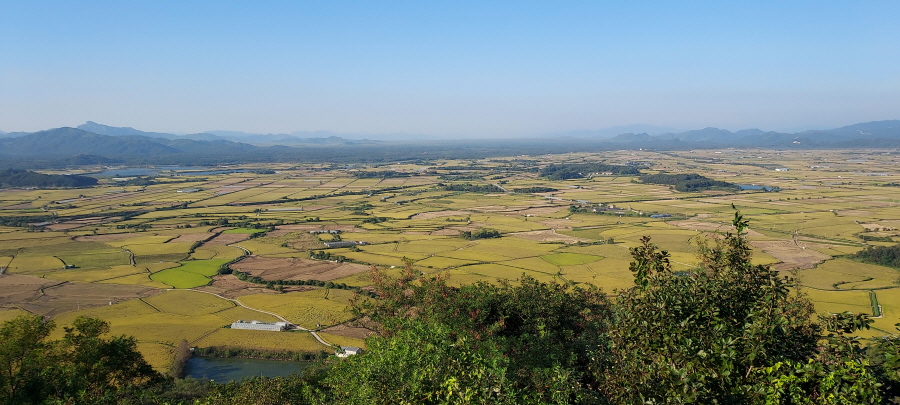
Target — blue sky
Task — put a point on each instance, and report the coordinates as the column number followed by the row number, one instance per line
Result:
column 475, row 69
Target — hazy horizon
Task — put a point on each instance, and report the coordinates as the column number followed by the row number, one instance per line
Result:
column 460, row 69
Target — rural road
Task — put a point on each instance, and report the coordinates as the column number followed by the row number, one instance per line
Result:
column 236, row 301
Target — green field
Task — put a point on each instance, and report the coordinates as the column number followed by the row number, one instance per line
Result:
column 190, row 274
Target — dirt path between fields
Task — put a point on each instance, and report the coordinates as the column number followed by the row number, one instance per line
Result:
column 236, row 301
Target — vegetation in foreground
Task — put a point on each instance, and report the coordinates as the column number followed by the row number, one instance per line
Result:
column 727, row 332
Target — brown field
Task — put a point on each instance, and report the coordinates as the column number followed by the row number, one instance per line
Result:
column 348, row 331
column 229, row 286
column 16, row 289
column 445, row 232
column 790, row 254
column 70, row 296
column 296, row 268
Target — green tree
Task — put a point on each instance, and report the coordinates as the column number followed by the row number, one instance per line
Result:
column 24, row 355
column 726, row 332
column 82, row 368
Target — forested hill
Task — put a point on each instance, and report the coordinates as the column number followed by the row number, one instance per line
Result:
column 72, row 141
column 24, row 178
column 687, row 182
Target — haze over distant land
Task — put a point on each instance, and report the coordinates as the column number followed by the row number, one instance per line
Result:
column 447, row 69
column 98, row 144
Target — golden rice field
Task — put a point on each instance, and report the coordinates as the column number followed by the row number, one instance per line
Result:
column 265, row 340
column 308, row 308
column 824, row 210
column 342, row 340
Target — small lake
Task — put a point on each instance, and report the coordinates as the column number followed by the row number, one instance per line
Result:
column 223, row 370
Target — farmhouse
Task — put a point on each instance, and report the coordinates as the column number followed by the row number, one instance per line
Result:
column 347, row 351
column 257, row 325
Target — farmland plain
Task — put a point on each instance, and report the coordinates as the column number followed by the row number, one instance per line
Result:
column 134, row 255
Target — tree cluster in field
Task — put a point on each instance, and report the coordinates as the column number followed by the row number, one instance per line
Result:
column 882, row 255
column 482, row 233
column 535, row 189
column 875, row 238
column 580, row 170
column 375, row 220
column 26, row 220
column 687, row 182
column 323, row 255
column 25, row 178
column 357, row 207
column 460, row 177
column 471, row 188
column 137, row 181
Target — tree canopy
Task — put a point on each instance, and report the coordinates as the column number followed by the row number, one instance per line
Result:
column 726, row 332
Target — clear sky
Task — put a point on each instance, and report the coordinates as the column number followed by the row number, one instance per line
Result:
column 466, row 68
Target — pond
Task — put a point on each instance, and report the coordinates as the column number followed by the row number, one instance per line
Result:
column 223, row 370
column 753, row 187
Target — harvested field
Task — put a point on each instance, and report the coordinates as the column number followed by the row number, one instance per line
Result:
column 348, row 331
column 790, row 254
column 71, row 296
column 296, row 268
column 16, row 288
column 548, row 236
column 229, row 286
column 445, row 232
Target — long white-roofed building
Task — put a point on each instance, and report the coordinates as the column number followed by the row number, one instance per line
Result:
column 257, row 325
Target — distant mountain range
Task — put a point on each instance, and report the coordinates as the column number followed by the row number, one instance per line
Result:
column 97, row 144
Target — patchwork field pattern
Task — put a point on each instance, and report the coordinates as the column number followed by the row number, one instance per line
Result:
column 114, row 254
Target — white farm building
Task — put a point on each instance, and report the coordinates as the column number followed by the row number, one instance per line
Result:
column 347, row 351
column 257, row 325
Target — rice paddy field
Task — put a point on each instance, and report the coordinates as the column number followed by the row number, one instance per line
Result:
column 132, row 255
